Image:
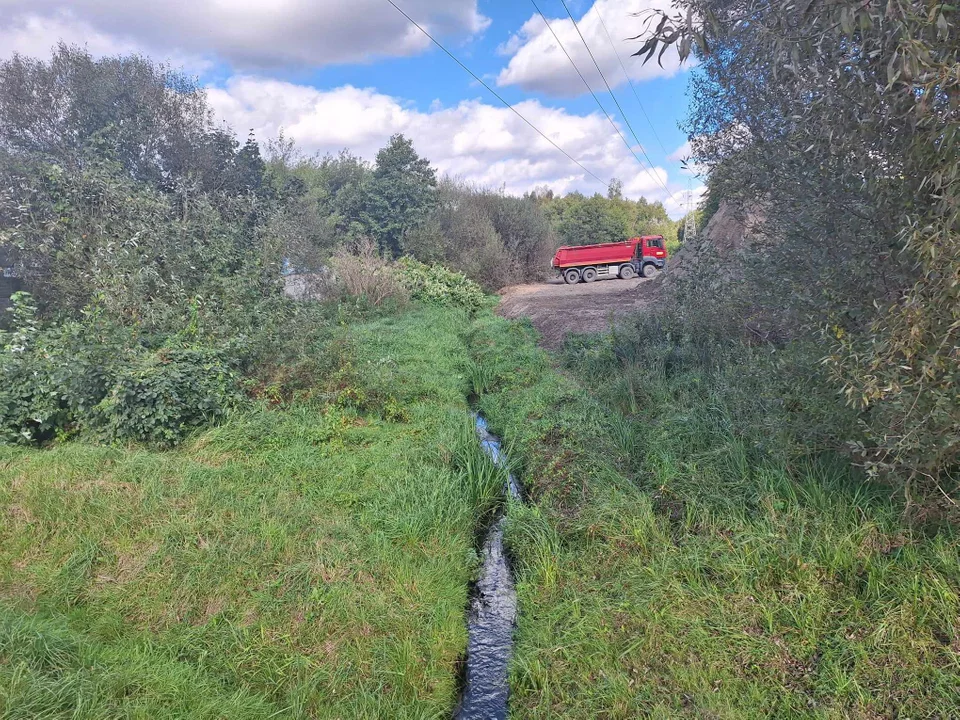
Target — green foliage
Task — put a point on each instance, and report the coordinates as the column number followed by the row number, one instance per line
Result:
column 580, row 220
column 680, row 554
column 483, row 482
column 95, row 375
column 838, row 122
column 585, row 221
column 491, row 237
column 163, row 396
column 306, row 561
column 53, row 375
column 435, row 285
column 121, row 191
column 401, row 193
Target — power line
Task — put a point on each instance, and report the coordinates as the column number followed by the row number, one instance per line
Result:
column 496, row 94
column 610, row 90
column 586, row 84
column 627, row 75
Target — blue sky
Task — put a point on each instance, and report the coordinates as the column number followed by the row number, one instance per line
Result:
column 349, row 73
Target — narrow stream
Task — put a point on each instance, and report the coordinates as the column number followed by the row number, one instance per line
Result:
column 492, row 614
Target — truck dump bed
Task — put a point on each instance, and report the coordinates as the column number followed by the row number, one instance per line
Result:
column 607, row 253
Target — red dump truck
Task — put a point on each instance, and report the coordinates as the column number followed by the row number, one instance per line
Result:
column 586, row 263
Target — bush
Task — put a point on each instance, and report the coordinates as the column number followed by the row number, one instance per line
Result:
column 51, row 375
column 164, row 395
column 840, row 121
column 367, row 274
column 436, row 285
column 96, row 375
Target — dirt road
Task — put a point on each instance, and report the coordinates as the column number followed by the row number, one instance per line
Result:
column 557, row 309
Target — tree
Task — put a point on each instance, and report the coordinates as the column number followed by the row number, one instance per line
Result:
column 118, row 188
column 401, row 193
column 592, row 220
column 151, row 120
column 840, row 120
column 615, row 191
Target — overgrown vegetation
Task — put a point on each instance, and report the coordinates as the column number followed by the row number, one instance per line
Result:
column 686, row 553
column 217, row 500
column 306, row 561
column 837, row 124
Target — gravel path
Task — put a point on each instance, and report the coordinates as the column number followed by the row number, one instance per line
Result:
column 557, row 309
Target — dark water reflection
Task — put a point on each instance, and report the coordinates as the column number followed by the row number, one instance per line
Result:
column 492, row 615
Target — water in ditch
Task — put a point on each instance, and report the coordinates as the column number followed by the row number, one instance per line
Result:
column 492, row 613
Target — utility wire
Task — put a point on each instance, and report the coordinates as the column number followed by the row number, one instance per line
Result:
column 610, row 90
column 632, row 86
column 587, row 85
column 496, row 94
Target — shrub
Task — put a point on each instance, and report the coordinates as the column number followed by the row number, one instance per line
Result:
column 49, row 376
column 164, row 395
column 840, row 120
column 436, row 285
column 367, row 274
column 97, row 375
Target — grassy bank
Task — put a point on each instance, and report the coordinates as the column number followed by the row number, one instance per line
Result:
column 313, row 560
column 668, row 567
column 309, row 561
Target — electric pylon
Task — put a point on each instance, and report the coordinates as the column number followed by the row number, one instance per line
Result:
column 690, row 228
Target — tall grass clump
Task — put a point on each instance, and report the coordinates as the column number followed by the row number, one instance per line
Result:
column 483, row 481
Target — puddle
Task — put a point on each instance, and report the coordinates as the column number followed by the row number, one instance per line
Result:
column 492, row 614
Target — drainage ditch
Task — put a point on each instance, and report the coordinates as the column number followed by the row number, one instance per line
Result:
column 492, row 613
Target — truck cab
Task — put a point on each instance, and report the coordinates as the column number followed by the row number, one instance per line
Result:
column 651, row 256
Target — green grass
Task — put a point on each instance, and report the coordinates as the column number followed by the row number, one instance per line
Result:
column 670, row 567
column 312, row 561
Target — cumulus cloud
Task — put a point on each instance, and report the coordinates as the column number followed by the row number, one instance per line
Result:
column 680, row 202
column 681, row 153
column 256, row 34
column 538, row 64
column 472, row 140
column 35, row 36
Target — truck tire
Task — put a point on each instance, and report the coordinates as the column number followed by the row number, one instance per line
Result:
column 627, row 272
column 649, row 270
column 589, row 274
column 571, row 276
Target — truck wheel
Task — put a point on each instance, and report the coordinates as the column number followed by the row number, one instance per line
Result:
column 571, row 276
column 649, row 270
column 589, row 274
column 627, row 272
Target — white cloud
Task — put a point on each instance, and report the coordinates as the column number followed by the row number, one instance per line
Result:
column 35, row 36
column 255, row 34
column 680, row 202
column 681, row 153
column 538, row 64
column 472, row 140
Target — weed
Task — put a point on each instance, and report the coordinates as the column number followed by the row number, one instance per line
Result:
column 480, row 378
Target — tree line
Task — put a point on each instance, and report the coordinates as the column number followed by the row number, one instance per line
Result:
column 152, row 244
column 120, row 185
